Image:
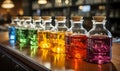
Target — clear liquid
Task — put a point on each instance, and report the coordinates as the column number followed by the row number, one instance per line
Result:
column 44, row 39
column 76, row 46
column 99, row 49
column 58, row 42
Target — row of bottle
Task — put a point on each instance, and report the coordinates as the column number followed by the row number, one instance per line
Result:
column 76, row 42
column 89, row 1
column 114, row 13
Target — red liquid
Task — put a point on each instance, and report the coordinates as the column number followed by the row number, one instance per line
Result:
column 99, row 49
column 76, row 46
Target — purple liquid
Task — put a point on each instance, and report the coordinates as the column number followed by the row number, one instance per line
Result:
column 99, row 49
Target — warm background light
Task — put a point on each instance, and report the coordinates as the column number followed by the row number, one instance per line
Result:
column 21, row 12
column 7, row 4
column 80, row 7
column 42, row 1
column 101, row 7
column 66, row 1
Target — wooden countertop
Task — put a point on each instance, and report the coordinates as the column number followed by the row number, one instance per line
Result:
column 42, row 59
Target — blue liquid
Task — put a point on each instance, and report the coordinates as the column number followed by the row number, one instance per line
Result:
column 12, row 35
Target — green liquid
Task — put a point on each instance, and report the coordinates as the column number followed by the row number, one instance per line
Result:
column 33, row 42
column 22, row 37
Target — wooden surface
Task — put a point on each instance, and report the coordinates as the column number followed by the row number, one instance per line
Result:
column 58, row 62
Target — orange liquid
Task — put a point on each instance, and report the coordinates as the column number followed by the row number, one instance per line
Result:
column 44, row 39
column 58, row 42
column 76, row 46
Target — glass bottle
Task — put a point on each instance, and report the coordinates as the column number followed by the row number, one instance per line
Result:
column 44, row 36
column 12, row 31
column 76, row 43
column 23, row 32
column 99, row 42
column 32, row 34
column 18, row 27
column 58, row 36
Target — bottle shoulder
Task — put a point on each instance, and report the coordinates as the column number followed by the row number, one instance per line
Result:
column 80, row 30
column 99, row 32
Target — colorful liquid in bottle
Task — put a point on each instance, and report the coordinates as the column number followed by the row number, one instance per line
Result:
column 17, row 33
column 76, row 46
column 12, row 36
column 22, row 37
column 58, row 42
column 32, row 34
column 99, row 49
column 44, row 39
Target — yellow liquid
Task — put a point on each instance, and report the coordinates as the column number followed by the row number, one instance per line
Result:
column 44, row 55
column 44, row 39
column 58, row 42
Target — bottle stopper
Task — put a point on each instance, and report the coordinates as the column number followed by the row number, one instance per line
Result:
column 99, row 18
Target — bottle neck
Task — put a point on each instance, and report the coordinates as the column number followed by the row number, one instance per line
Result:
column 47, row 24
column 99, row 25
column 60, row 23
column 14, row 21
column 77, row 25
column 99, row 29
column 27, row 23
column 21, row 22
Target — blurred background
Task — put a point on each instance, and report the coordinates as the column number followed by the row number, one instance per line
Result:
column 68, row 8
